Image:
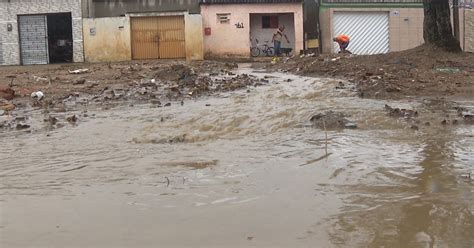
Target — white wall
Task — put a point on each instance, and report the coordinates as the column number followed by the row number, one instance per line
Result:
column 9, row 12
column 229, row 40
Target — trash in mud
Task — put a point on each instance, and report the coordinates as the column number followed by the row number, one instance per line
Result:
column 332, row 120
column 79, row 71
column 448, row 70
column 38, row 95
column 401, row 113
column 40, row 79
column 2, row 112
column 72, row 119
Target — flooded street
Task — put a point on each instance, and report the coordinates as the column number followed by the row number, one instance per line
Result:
column 242, row 169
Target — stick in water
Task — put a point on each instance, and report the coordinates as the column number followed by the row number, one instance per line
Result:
column 324, row 125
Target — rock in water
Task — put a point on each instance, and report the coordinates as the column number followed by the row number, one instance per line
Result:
column 332, row 120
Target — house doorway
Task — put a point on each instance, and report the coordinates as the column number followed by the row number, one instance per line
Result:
column 60, row 38
column 46, row 38
column 263, row 26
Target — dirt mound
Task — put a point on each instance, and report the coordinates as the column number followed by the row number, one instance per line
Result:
column 175, row 72
column 6, row 92
column 423, row 71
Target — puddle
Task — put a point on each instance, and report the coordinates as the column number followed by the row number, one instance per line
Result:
column 215, row 171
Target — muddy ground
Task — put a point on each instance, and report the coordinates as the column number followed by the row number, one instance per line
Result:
column 65, row 87
column 423, row 71
column 420, row 72
column 174, row 79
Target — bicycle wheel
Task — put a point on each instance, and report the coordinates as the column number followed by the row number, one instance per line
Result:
column 254, row 51
column 270, row 51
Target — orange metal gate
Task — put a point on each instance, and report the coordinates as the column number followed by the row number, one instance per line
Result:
column 158, row 37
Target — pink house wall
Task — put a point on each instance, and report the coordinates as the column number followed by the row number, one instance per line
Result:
column 228, row 40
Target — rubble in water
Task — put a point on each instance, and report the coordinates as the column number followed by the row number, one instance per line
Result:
column 400, row 112
column 158, row 83
column 332, row 120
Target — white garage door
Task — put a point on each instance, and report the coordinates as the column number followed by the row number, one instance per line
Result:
column 368, row 31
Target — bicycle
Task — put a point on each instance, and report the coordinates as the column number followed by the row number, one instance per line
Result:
column 266, row 49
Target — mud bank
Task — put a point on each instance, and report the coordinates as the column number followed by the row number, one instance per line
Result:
column 77, row 88
column 423, row 71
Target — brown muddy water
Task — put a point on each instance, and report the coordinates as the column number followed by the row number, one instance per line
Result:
column 241, row 169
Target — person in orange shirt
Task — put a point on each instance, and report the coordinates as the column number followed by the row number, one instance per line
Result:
column 343, row 41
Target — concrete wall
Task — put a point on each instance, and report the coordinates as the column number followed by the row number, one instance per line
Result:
column 112, row 39
column 194, row 37
column 266, row 34
column 227, row 39
column 107, row 39
column 405, row 27
column 468, row 30
column 113, row 8
column 9, row 12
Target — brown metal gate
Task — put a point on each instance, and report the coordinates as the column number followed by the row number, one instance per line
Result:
column 158, row 37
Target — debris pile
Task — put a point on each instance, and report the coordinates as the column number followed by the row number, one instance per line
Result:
column 421, row 71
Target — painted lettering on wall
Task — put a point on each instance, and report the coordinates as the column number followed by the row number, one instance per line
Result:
column 239, row 25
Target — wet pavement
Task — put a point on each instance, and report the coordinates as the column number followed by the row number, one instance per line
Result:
column 242, row 169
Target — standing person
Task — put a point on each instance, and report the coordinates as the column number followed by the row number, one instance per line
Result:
column 277, row 36
column 343, row 41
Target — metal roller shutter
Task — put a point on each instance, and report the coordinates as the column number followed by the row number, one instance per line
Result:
column 368, row 31
column 33, row 39
column 1, row 51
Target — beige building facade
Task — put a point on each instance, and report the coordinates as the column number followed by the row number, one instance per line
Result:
column 402, row 26
column 232, row 28
column 468, row 29
column 110, row 39
column 401, row 23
